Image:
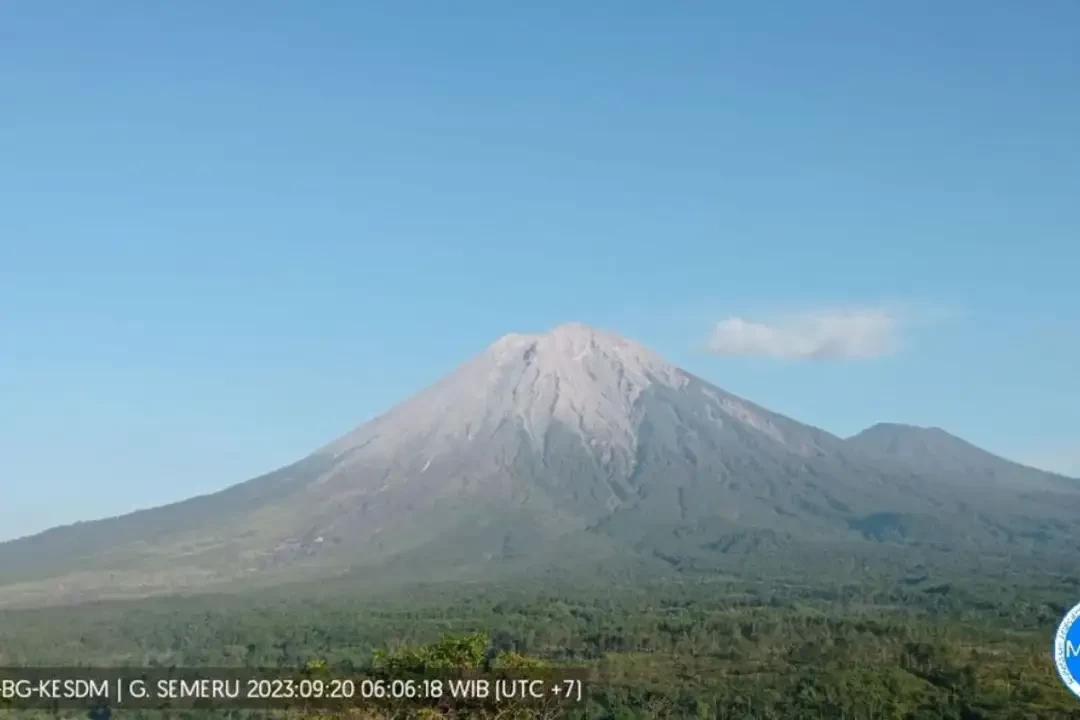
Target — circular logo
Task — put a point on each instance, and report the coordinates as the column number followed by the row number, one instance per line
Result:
column 1067, row 650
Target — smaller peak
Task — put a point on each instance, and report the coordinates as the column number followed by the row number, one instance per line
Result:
column 902, row 427
column 882, row 426
column 901, row 432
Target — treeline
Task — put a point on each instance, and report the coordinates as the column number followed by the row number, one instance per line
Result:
column 914, row 646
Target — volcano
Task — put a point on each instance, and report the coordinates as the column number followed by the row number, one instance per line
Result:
column 571, row 444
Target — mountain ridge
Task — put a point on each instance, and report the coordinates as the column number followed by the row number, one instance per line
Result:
column 935, row 446
column 574, row 439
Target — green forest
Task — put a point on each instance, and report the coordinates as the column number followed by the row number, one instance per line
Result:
column 883, row 642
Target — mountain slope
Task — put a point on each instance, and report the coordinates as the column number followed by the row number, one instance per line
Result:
column 570, row 445
column 932, row 450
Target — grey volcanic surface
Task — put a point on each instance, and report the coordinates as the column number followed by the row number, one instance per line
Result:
column 567, row 446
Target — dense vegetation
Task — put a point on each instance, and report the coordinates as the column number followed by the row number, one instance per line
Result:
column 911, row 643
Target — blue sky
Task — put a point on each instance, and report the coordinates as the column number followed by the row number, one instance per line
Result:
column 230, row 232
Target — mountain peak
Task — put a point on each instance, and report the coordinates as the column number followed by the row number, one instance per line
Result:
column 910, row 440
column 568, row 334
column 892, row 428
column 933, row 450
column 572, row 376
column 574, row 347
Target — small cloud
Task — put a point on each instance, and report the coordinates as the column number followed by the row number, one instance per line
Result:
column 864, row 333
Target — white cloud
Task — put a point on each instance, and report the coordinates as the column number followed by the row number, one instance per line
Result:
column 861, row 333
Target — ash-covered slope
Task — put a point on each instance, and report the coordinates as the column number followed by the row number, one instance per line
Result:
column 575, row 443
